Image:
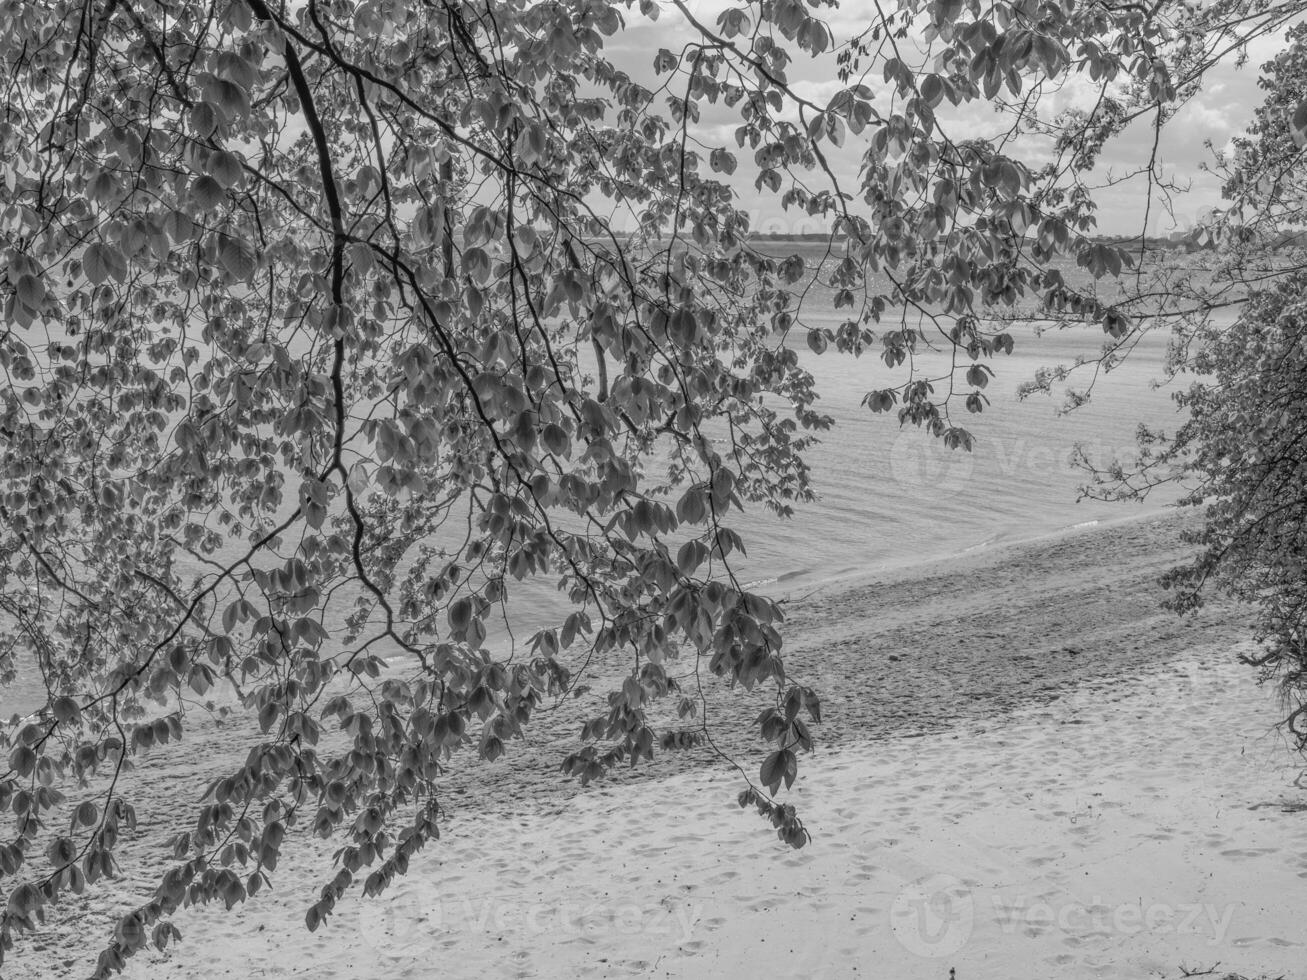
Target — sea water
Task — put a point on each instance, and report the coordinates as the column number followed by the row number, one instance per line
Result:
column 889, row 495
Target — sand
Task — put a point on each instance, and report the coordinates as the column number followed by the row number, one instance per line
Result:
column 1025, row 770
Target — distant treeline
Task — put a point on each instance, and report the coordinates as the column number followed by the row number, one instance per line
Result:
column 1190, row 240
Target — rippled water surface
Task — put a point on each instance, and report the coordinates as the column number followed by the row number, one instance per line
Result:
column 889, row 496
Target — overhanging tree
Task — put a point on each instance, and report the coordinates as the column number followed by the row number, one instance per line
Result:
column 1241, row 329
column 406, row 305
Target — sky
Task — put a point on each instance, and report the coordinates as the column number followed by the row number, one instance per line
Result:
column 1217, row 114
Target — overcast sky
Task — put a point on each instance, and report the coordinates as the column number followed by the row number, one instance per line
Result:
column 1220, row 112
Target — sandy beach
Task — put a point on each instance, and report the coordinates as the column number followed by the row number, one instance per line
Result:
column 1025, row 769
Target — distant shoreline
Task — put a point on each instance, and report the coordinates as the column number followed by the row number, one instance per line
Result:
column 995, row 546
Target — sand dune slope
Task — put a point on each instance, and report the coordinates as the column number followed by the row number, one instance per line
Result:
column 1130, row 828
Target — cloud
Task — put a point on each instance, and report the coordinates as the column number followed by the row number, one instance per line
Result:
column 818, row 92
column 1220, row 111
column 1214, row 121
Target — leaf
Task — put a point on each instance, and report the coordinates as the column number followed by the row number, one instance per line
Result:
column 237, row 257
column 835, row 130
column 460, row 615
column 101, row 261
column 932, row 90
column 22, row 760
column 525, row 240
column 201, row 678
column 690, row 508
column 556, row 440
column 204, row 119
column 237, row 69
column 31, row 291
column 723, row 480
column 267, row 715
column 206, row 193
column 1298, row 124
column 179, row 227
column 476, row 265
column 225, row 167
column 781, row 765
column 93, row 264
column 722, row 161
column 690, row 555
column 103, row 189
column 64, row 709
column 684, row 327
column 24, row 900
column 313, row 499
column 230, row 616
column 480, row 228
column 232, row 99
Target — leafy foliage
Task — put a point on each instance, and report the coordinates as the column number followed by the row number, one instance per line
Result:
column 1240, row 451
column 399, row 309
column 1242, row 444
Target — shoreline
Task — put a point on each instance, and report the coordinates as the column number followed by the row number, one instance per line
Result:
column 855, row 578
column 1127, row 829
column 953, row 649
